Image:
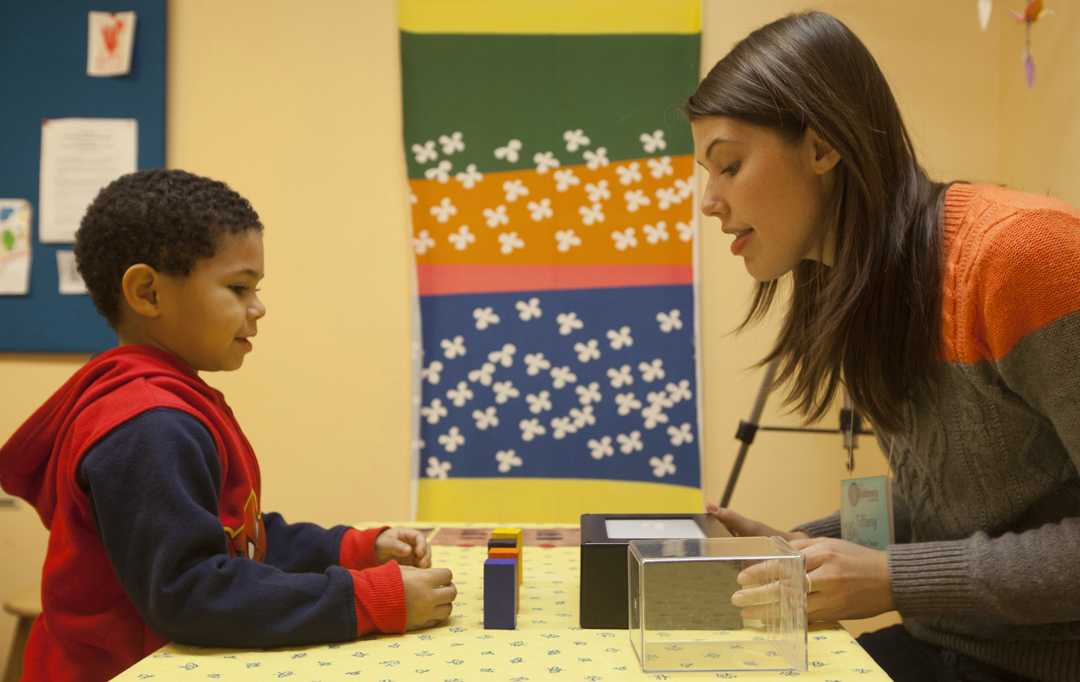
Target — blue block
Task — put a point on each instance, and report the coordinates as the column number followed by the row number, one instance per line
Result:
column 500, row 594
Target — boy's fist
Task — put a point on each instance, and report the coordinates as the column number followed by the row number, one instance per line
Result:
column 407, row 545
column 429, row 596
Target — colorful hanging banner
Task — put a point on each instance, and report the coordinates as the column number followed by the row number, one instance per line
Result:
column 552, row 187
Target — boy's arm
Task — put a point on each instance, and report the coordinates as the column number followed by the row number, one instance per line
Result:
column 153, row 485
column 307, row 547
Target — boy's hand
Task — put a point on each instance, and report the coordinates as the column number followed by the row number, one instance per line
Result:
column 429, row 596
column 407, row 545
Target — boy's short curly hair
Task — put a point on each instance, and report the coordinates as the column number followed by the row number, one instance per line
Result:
column 167, row 219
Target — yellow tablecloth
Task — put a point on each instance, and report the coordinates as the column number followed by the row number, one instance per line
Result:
column 547, row 645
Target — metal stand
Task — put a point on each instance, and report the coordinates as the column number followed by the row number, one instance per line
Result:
column 850, row 429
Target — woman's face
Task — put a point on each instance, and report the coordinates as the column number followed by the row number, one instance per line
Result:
column 769, row 194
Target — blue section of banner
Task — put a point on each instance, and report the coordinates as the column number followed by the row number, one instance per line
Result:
column 593, row 383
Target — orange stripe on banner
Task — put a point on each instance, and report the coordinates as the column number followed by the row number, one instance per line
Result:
column 436, row 280
column 637, row 211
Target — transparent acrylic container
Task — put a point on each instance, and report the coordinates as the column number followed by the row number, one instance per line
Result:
column 682, row 618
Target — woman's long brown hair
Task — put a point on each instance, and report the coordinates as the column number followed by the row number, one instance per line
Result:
column 870, row 320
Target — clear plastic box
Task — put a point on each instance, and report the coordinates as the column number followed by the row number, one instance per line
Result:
column 682, row 618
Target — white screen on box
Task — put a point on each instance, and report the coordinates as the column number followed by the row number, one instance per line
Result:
column 652, row 529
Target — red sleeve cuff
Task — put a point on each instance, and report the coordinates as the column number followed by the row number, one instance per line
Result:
column 357, row 548
column 379, row 596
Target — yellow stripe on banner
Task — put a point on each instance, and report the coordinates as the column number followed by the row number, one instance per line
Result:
column 547, row 500
column 550, row 16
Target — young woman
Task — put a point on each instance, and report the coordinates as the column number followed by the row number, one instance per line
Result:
column 951, row 313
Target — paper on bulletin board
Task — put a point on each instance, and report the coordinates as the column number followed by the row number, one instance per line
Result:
column 79, row 156
column 108, row 45
column 15, row 247
column 71, row 282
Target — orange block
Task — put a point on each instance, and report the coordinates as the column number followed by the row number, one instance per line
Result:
column 507, row 553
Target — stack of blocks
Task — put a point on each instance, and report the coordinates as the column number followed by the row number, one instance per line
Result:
column 502, row 579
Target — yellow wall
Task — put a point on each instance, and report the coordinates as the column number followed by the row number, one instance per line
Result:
column 297, row 106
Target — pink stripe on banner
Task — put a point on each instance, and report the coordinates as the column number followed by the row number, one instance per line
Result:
column 439, row 280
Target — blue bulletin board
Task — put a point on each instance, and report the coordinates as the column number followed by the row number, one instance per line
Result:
column 43, row 76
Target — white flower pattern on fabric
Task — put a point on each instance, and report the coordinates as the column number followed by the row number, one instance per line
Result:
column 529, row 310
column 630, row 443
column 598, row 192
column 504, row 391
column 575, row 139
column 452, row 143
column 485, row 317
column 541, row 210
column 658, row 168
column 510, row 241
column 587, row 351
column 460, row 395
column 680, row 391
column 680, row 434
column 651, row 371
column 431, row 372
column 624, row 240
column 444, row 210
column 666, row 197
column 627, row 403
column 560, row 426
column 425, row 152
column 514, row 189
column 469, row 177
column 620, row 339
column 545, row 161
column 684, row 188
column 507, row 459
column 653, row 415
column 620, row 377
column 565, row 179
column 441, row 173
column 462, row 238
column 483, row 375
column 657, row 234
column 669, row 321
column 561, row 376
column 600, row 449
column 566, row 239
column 583, row 417
column 686, row 232
column 659, row 399
column 592, row 214
column 653, row 142
column 662, row 467
column 452, row 440
column 589, row 394
column 535, row 363
column 509, row 152
column 434, row 412
column 503, row 356
column 530, row 429
column 635, row 199
column 437, row 469
column 423, row 242
column 496, row 216
column 568, row 322
column 597, row 159
column 539, row 403
column 452, row 349
column 486, row 418
column 629, row 174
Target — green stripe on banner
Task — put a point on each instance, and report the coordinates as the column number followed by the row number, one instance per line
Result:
column 534, row 88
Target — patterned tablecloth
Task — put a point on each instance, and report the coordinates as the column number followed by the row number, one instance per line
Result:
column 547, row 645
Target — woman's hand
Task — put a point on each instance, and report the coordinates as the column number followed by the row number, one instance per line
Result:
column 740, row 526
column 407, row 545
column 847, row 581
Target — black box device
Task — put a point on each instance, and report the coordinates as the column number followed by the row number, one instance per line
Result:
column 605, row 540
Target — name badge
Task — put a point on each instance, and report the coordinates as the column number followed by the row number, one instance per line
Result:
column 866, row 511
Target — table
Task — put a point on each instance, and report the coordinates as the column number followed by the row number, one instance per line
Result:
column 548, row 643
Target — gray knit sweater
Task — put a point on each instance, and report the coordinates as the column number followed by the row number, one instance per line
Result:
column 986, row 472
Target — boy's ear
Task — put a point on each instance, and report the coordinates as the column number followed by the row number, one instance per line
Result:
column 824, row 155
column 140, row 286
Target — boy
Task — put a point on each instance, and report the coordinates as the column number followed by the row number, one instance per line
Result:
column 148, row 487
